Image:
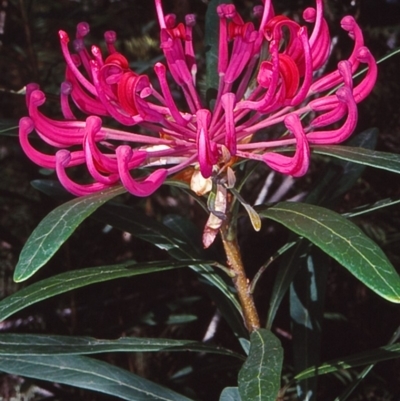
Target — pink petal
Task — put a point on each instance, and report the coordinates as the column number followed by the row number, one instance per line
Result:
column 228, row 103
column 335, row 136
column 64, row 39
column 65, row 92
column 297, row 165
column 207, row 158
column 161, row 72
column 110, row 37
column 138, row 188
column 63, row 160
column 364, row 88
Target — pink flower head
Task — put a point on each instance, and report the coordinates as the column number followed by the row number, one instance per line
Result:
column 268, row 75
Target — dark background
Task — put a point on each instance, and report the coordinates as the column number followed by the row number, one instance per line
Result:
column 356, row 319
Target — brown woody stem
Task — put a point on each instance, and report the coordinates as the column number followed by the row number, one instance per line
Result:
column 240, row 280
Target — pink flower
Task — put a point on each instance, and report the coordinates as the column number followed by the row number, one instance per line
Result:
column 268, row 75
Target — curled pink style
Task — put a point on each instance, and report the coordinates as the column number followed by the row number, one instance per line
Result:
column 269, row 72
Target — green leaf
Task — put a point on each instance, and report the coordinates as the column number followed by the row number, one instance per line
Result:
column 245, row 343
column 141, row 226
column 29, row 344
column 367, row 157
column 87, row 373
column 152, row 319
column 364, row 373
column 186, row 229
column 307, row 296
column 180, row 243
column 364, row 358
column 71, row 280
column 350, row 172
column 371, row 207
column 230, row 394
column 226, row 307
column 289, row 266
column 52, row 188
column 134, row 221
column 305, row 267
column 55, row 229
column 338, row 177
column 260, row 375
column 343, row 241
column 9, row 128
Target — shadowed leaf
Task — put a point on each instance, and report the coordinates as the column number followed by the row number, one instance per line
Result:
column 88, row 373
column 364, row 358
column 367, row 157
column 29, row 344
column 71, row 280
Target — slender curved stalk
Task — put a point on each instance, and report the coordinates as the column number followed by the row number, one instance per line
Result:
column 240, row 280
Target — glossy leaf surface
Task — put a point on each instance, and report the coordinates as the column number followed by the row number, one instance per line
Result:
column 307, row 291
column 343, row 241
column 364, row 358
column 30, row 344
column 176, row 236
column 88, row 373
column 260, row 375
column 367, row 157
column 71, row 280
column 230, row 394
column 55, row 229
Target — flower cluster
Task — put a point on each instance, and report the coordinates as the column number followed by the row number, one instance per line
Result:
column 268, row 74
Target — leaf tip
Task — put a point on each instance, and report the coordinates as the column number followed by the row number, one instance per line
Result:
column 395, row 300
column 18, row 279
column 19, row 276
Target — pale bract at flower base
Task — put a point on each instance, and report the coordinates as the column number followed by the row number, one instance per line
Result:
column 268, row 76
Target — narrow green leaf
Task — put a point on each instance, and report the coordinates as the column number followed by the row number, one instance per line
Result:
column 372, row 207
column 245, row 343
column 373, row 158
column 134, row 221
column 350, row 172
column 55, row 229
column 168, row 237
column 289, row 266
column 343, row 241
column 364, row 358
column 364, row 373
column 338, row 177
column 305, row 267
column 87, row 373
column 71, row 280
column 29, row 344
column 141, row 226
column 186, row 229
column 230, row 394
column 53, row 189
column 152, row 320
column 226, row 307
column 307, row 296
column 9, row 128
column 260, row 375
